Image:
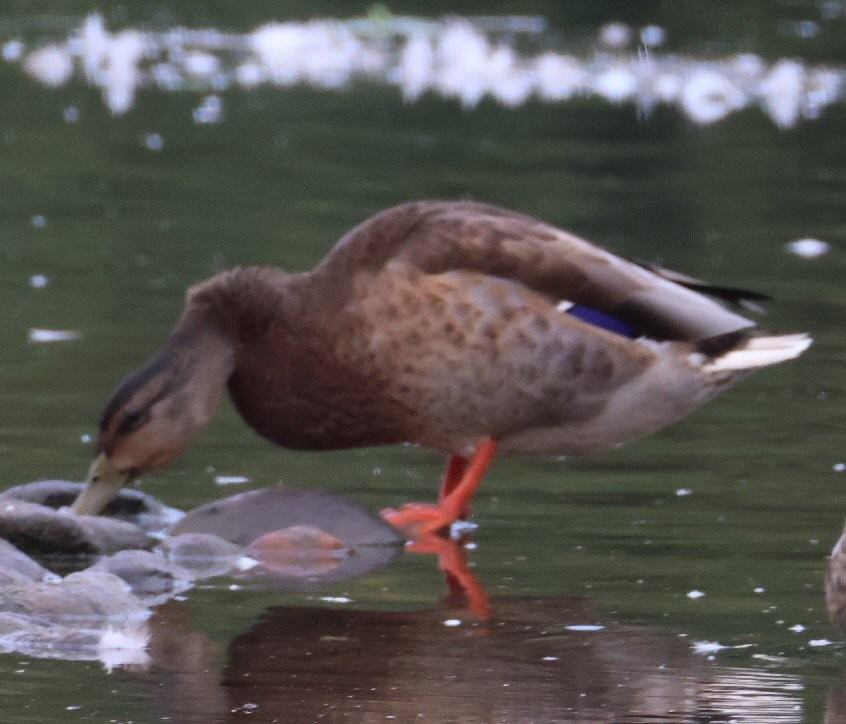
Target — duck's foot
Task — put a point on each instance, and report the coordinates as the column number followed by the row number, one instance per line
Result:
column 462, row 482
column 417, row 520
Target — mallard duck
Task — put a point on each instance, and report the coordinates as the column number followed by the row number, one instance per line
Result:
column 457, row 326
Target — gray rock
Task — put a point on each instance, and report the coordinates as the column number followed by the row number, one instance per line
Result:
column 205, row 555
column 24, row 634
column 152, row 577
column 243, row 518
column 36, row 528
column 87, row 596
column 367, row 542
column 122, row 646
column 17, row 567
column 130, row 505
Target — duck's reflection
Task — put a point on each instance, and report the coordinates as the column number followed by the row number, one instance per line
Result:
column 304, row 664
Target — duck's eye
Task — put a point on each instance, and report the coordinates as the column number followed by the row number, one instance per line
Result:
column 133, row 420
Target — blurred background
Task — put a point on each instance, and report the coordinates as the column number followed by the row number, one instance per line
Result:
column 148, row 145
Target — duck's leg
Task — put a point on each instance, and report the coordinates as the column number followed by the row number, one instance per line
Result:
column 456, row 468
column 419, row 519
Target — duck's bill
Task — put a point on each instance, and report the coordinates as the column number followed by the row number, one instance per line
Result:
column 103, row 483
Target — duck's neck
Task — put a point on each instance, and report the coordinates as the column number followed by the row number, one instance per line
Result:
column 223, row 319
column 200, row 353
column 244, row 300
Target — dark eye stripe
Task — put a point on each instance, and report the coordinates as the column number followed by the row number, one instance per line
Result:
column 136, row 418
column 133, row 420
column 129, row 387
column 159, row 365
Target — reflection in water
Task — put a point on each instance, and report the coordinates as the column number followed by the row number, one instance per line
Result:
column 470, row 658
column 465, row 59
column 537, row 660
column 525, row 665
column 532, row 660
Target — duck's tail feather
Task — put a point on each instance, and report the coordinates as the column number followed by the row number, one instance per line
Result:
column 753, row 352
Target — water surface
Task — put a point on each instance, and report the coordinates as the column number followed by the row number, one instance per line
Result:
column 741, row 502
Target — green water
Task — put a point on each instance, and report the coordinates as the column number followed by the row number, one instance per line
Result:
column 277, row 182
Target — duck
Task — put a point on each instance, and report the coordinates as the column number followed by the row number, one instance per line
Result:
column 458, row 326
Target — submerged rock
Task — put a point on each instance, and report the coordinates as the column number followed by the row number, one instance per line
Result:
column 151, row 576
column 205, row 555
column 85, row 596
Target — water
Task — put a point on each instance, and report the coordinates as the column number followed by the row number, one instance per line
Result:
column 107, row 219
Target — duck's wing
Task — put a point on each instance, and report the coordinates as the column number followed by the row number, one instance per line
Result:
column 440, row 236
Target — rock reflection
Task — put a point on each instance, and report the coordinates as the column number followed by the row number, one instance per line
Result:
column 86, row 616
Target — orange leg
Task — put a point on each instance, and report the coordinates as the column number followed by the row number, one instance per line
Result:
column 417, row 519
column 456, row 468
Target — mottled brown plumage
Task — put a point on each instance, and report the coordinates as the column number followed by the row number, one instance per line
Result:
column 442, row 324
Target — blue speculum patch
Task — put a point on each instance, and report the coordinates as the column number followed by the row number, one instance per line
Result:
column 602, row 320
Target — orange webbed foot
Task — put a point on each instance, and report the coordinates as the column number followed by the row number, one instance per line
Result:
column 461, row 483
column 416, row 520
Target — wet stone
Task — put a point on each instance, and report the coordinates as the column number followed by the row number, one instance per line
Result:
column 243, row 518
column 152, row 577
column 835, row 584
column 21, row 633
column 17, row 567
column 84, row 596
column 301, row 537
column 204, row 554
column 37, row 529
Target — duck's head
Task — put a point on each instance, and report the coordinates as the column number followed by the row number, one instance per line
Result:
column 154, row 415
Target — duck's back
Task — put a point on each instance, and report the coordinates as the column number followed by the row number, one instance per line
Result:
column 439, row 236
